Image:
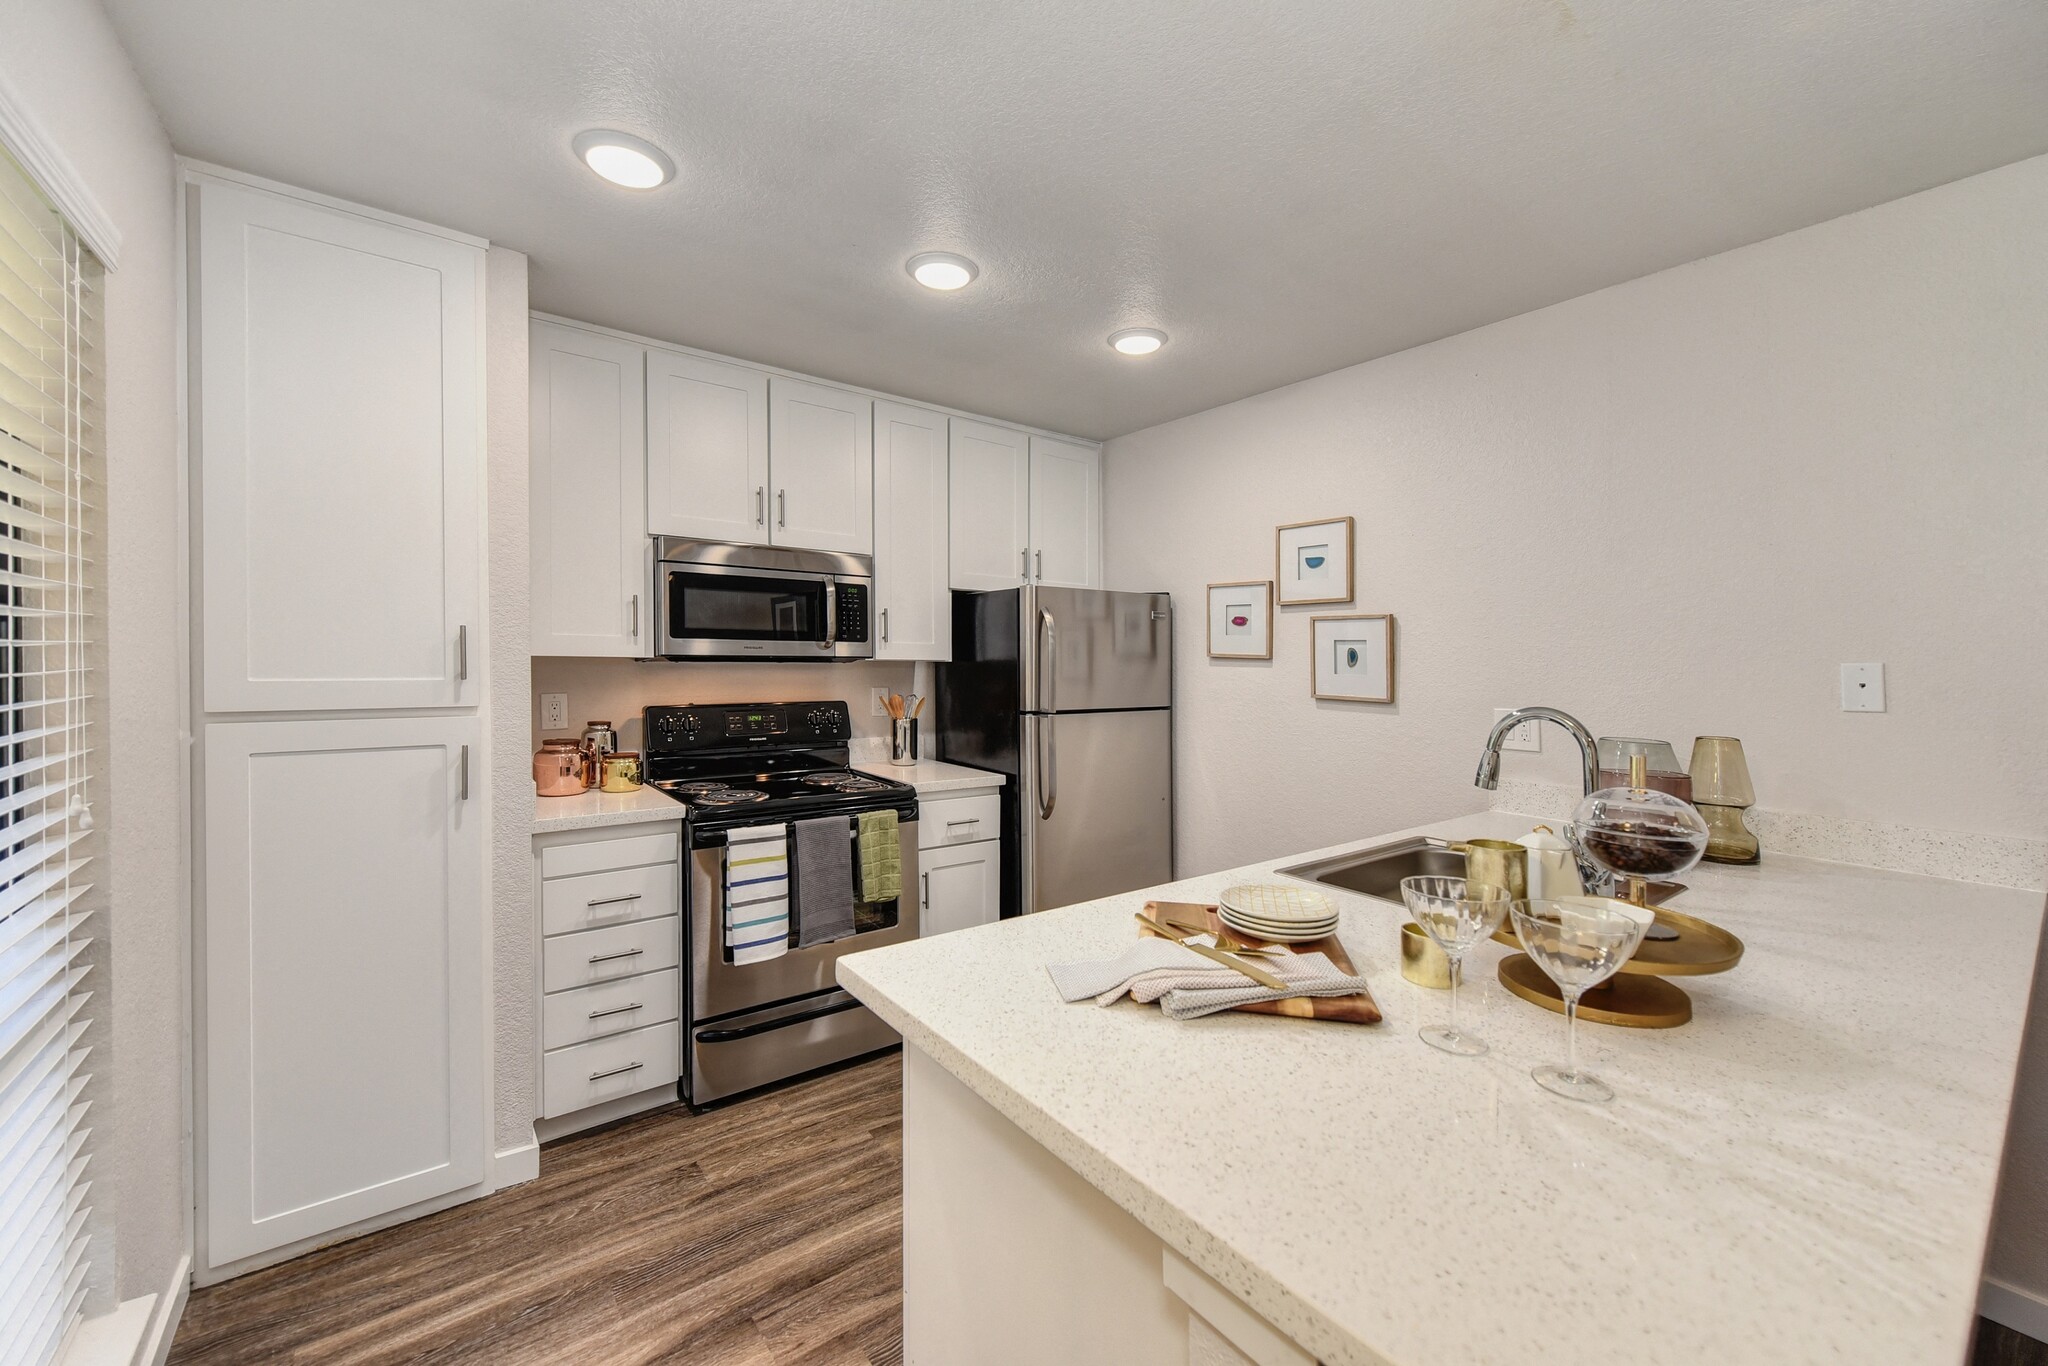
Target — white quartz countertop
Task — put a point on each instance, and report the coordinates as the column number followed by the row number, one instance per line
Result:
column 931, row 777
column 1803, row 1173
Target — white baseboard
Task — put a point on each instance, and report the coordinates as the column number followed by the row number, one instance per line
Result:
column 510, row 1166
column 2023, row 1311
column 136, row 1332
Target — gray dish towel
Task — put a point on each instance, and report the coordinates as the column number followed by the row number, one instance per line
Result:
column 824, row 881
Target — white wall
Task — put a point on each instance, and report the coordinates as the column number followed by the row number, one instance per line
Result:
column 66, row 68
column 1672, row 507
column 515, row 1096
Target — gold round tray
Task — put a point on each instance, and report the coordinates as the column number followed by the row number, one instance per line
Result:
column 1701, row 948
column 1631, row 1002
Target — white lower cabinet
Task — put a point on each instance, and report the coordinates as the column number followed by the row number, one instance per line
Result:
column 343, row 1009
column 960, row 862
column 611, row 994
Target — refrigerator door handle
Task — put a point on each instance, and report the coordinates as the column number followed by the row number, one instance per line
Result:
column 1047, row 753
column 1048, row 632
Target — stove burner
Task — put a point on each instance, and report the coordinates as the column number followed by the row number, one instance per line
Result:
column 845, row 782
column 725, row 796
column 699, row 787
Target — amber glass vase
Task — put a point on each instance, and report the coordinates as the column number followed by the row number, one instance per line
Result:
column 1722, row 791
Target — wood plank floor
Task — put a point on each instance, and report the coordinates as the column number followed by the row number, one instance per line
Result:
column 767, row 1233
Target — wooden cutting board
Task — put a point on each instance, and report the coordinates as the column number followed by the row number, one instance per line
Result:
column 1358, row 1008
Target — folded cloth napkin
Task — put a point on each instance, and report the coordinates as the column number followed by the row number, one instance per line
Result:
column 1190, row 1004
column 1187, row 985
column 1148, row 987
column 757, row 893
column 1086, row 981
column 824, row 881
column 881, row 857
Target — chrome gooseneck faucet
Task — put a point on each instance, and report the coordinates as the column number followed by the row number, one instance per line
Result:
column 1489, row 762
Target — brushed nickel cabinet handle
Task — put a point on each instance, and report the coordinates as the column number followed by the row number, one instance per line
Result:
column 885, row 626
column 971, row 820
column 629, row 1067
column 615, row 1010
column 761, row 505
column 613, row 900
column 636, row 616
column 462, row 789
column 782, row 507
column 462, row 653
column 1039, row 573
column 1024, row 563
column 927, row 902
column 614, row 957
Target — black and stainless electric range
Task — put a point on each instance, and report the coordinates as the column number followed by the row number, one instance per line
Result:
column 753, row 1024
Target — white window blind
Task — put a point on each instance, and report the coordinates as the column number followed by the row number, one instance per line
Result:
column 49, row 431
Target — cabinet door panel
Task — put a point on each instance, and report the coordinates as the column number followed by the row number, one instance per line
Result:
column 707, row 449
column 990, row 500
column 588, row 493
column 1066, row 514
column 911, row 540
column 821, row 466
column 962, row 886
column 344, row 1003
column 336, row 441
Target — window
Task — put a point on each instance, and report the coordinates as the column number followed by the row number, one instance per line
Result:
column 49, row 433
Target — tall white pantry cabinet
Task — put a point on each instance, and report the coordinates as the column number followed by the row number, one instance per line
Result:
column 335, row 377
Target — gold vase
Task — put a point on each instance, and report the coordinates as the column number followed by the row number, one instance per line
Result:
column 1722, row 791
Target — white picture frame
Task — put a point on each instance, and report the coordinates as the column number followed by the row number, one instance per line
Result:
column 1312, row 562
column 1241, row 620
column 1351, row 657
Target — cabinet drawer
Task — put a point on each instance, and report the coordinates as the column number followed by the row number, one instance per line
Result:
column 585, row 1013
column 598, row 856
column 577, row 960
column 959, row 820
column 593, row 899
column 587, row 1074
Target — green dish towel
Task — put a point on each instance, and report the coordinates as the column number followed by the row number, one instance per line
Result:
column 881, row 857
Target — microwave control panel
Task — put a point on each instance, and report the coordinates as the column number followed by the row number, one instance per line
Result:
column 850, row 608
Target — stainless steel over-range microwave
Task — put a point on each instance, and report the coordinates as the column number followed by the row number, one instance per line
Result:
column 718, row 601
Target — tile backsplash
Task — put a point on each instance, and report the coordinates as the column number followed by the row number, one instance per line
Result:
column 616, row 689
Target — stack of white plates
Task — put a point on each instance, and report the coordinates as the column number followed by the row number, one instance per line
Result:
column 1286, row 915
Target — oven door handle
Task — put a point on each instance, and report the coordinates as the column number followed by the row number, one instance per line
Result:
column 763, row 1026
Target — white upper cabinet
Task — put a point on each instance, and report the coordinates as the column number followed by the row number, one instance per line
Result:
column 707, row 449
column 915, row 617
column 991, row 506
column 821, row 467
column 1066, row 513
column 588, row 494
column 337, row 444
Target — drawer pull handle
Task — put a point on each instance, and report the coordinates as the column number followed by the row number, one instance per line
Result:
column 971, row 820
column 615, row 1010
column 614, row 900
column 613, row 957
column 629, row 1067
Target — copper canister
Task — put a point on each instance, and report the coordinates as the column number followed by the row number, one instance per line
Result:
column 558, row 769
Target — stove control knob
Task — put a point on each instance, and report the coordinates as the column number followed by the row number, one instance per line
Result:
column 821, row 720
column 690, row 726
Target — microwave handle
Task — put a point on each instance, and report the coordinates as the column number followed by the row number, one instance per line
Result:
column 831, row 615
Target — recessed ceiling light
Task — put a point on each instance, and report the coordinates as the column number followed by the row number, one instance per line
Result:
column 1138, row 341
column 624, row 159
column 941, row 270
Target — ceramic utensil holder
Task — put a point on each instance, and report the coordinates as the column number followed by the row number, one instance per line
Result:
column 903, row 741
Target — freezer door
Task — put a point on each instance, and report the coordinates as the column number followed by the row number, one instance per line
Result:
column 1097, row 805
column 1087, row 650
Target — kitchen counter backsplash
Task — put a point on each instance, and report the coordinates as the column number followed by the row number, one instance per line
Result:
column 615, row 690
column 1995, row 860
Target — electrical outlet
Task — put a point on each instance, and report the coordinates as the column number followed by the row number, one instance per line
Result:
column 1527, row 737
column 876, row 697
column 1863, row 687
column 554, row 711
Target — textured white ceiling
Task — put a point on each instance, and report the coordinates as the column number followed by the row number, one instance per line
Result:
column 1285, row 188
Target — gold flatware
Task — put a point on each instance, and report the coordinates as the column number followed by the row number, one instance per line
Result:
column 1224, row 940
column 1257, row 974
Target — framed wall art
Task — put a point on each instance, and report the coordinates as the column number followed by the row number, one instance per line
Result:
column 1315, row 562
column 1241, row 620
column 1352, row 658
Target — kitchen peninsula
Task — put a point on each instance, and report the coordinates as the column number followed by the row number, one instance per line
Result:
column 1803, row 1173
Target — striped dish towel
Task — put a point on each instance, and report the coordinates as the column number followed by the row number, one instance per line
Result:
column 757, row 893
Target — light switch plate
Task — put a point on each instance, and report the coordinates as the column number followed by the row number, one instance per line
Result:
column 554, row 711
column 1527, row 737
column 875, row 697
column 1863, row 687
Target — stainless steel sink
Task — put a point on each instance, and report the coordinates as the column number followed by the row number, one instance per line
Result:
column 1378, row 872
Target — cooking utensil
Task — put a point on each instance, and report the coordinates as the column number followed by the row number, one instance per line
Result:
column 1257, row 974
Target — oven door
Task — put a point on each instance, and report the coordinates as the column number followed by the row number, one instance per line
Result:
column 719, row 988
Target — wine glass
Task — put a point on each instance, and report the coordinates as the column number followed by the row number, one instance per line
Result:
column 1456, row 917
column 1580, row 942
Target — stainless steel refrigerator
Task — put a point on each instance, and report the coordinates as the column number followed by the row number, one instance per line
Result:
column 1069, row 693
